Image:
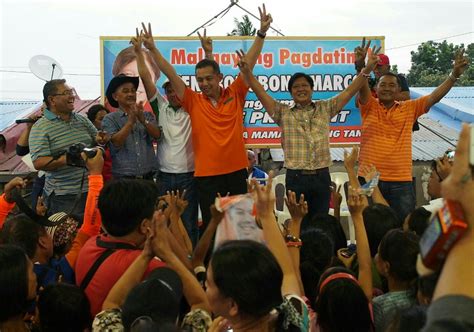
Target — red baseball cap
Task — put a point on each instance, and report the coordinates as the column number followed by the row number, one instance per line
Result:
column 383, row 60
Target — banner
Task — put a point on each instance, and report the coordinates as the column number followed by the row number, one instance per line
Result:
column 328, row 60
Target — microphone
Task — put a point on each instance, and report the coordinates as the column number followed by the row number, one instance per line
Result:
column 25, row 120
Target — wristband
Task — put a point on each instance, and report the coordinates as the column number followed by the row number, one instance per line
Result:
column 452, row 77
column 296, row 244
column 364, row 74
column 261, row 34
column 291, row 238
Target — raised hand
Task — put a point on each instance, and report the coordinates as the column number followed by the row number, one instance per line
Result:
column 264, row 197
column 206, row 43
column 40, row 206
column 96, row 163
column 216, row 215
column 147, row 37
column 336, row 195
column 265, row 19
column 350, row 159
column 139, row 112
column 444, row 167
column 160, row 244
column 360, row 54
column 243, row 64
column 181, row 202
column 355, row 202
column 373, row 58
column 298, row 209
column 369, row 172
column 16, row 182
column 137, row 41
column 461, row 63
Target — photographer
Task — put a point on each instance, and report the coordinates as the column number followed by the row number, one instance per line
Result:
column 65, row 186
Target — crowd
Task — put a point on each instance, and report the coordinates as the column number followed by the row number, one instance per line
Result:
column 111, row 240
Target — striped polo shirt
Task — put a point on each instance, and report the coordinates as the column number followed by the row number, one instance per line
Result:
column 51, row 135
column 386, row 137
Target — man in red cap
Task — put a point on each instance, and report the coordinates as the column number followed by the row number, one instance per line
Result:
column 382, row 68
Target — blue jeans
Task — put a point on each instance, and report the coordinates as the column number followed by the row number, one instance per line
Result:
column 182, row 181
column 400, row 196
column 316, row 190
column 64, row 203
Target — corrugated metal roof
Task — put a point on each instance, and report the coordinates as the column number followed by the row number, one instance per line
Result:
column 459, row 96
column 428, row 143
column 12, row 110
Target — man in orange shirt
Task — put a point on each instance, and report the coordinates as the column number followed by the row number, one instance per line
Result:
column 386, row 132
column 217, row 121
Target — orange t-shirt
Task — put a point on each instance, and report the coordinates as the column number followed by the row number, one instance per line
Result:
column 386, row 137
column 218, row 131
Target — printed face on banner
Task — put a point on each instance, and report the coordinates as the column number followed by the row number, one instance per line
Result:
column 329, row 61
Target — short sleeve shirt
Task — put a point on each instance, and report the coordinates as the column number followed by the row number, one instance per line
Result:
column 386, row 137
column 218, row 130
column 305, row 133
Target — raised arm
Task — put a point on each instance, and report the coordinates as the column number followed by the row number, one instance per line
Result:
column 461, row 63
column 360, row 82
column 350, row 160
column 6, row 201
column 360, row 54
column 356, row 204
column 377, row 197
column 206, row 44
column 162, row 63
column 150, row 87
column 267, row 101
column 265, row 201
column 256, row 48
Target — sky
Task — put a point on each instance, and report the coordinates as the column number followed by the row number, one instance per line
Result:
column 69, row 30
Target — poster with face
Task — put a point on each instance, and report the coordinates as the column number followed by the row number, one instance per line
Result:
column 239, row 220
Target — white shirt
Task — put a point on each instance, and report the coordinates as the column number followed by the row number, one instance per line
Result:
column 175, row 148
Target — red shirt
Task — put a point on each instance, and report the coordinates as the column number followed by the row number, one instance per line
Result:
column 109, row 271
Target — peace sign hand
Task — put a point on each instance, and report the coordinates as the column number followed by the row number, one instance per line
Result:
column 461, row 63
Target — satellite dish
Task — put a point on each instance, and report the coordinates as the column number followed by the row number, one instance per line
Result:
column 45, row 67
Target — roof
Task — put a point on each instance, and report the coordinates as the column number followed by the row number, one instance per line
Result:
column 428, row 143
column 12, row 110
column 456, row 107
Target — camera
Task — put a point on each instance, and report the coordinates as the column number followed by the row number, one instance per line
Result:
column 73, row 154
column 446, row 227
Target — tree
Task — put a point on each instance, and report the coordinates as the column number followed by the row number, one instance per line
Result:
column 243, row 28
column 432, row 63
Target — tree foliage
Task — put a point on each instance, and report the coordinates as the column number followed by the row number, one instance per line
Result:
column 432, row 62
column 243, row 28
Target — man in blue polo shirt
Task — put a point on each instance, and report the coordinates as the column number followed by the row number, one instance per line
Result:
column 50, row 137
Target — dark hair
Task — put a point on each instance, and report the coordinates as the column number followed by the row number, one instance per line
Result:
column 295, row 76
column 50, row 88
column 399, row 82
column 315, row 256
column 427, row 284
column 63, row 307
column 247, row 272
column 93, row 110
column 418, row 220
column 21, row 231
column 208, row 63
column 400, row 249
column 342, row 305
column 124, row 203
column 13, row 282
column 332, row 227
column 128, row 55
column 408, row 319
column 378, row 220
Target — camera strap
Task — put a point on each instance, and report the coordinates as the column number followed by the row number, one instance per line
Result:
column 79, row 194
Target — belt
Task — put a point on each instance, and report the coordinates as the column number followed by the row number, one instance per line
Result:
column 147, row 176
column 309, row 171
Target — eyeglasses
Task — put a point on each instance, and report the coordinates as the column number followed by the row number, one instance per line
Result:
column 66, row 93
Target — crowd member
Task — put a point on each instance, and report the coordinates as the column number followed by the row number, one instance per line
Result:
column 17, row 289
column 387, row 127
column 126, row 207
column 254, row 171
column 452, row 305
column 63, row 307
column 417, row 221
column 440, row 169
column 33, row 237
column 50, row 137
column 23, row 149
column 305, row 128
column 396, row 261
column 131, row 131
column 96, row 114
column 274, row 285
column 158, row 297
column 175, row 152
column 217, row 121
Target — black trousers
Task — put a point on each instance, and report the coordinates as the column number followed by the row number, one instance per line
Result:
column 234, row 183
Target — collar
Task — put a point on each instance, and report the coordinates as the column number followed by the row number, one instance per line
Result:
column 50, row 115
column 395, row 103
column 299, row 106
column 220, row 97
